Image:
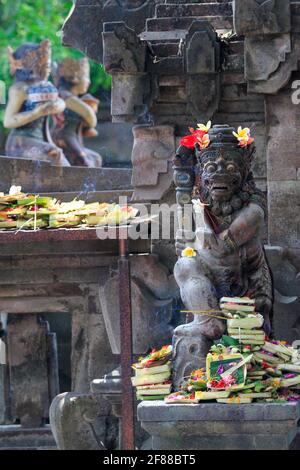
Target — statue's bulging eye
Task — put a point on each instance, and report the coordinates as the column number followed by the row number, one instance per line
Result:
column 231, row 167
column 210, row 168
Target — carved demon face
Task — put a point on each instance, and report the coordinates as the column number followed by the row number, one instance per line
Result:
column 222, row 173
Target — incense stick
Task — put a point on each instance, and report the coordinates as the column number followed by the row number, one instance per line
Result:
column 207, row 313
column 25, row 223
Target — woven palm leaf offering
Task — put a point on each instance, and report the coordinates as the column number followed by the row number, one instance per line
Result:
column 243, row 366
column 32, row 212
column 274, row 366
column 152, row 375
column 196, row 381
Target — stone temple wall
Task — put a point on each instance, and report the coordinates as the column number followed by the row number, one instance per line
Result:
column 177, row 62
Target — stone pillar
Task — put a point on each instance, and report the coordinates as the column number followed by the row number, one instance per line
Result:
column 283, row 163
column 153, row 151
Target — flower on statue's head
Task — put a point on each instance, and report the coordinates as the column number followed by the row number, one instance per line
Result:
column 204, row 127
column 189, row 252
column 203, row 141
column 243, row 136
column 199, row 135
column 189, row 141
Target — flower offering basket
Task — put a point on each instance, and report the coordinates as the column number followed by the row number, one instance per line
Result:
column 219, row 375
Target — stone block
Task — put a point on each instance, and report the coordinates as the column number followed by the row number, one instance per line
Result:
column 72, row 419
column 282, row 118
column 153, row 150
column 3, row 393
column 55, row 179
column 258, row 17
column 165, row 24
column 15, row 437
column 285, row 267
column 284, row 218
column 202, row 50
column 85, row 23
column 123, row 52
column 158, row 411
column 128, row 95
column 269, row 62
column 194, row 9
column 212, row 426
column 264, row 55
column 28, row 370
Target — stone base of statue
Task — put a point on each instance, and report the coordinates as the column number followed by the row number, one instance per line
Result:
column 191, row 344
column 214, row 426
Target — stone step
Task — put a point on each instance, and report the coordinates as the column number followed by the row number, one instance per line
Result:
column 54, row 178
column 239, row 92
column 17, row 437
column 240, row 118
column 223, row 23
column 251, row 106
column 28, row 448
column 193, row 9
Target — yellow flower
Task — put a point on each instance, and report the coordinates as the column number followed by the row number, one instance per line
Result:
column 243, row 136
column 189, row 252
column 204, row 141
column 204, row 127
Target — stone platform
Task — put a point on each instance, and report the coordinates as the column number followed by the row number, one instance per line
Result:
column 213, row 426
column 14, row 437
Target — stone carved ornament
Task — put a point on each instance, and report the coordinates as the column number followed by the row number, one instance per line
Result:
column 270, row 54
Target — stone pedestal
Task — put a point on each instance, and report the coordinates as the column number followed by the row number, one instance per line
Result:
column 214, row 426
column 14, row 437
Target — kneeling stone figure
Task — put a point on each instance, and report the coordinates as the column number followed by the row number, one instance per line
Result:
column 231, row 261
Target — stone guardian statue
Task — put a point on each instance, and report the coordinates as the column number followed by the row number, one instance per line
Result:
column 231, row 260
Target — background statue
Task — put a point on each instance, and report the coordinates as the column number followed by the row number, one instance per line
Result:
column 79, row 118
column 227, row 256
column 32, row 99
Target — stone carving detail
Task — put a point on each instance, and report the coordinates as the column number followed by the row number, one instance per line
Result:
column 279, row 60
column 138, row 52
column 231, row 260
column 153, row 152
column 269, row 55
column 202, row 64
column 78, row 421
column 254, row 17
column 85, row 22
column 32, row 99
column 124, row 56
column 122, row 49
